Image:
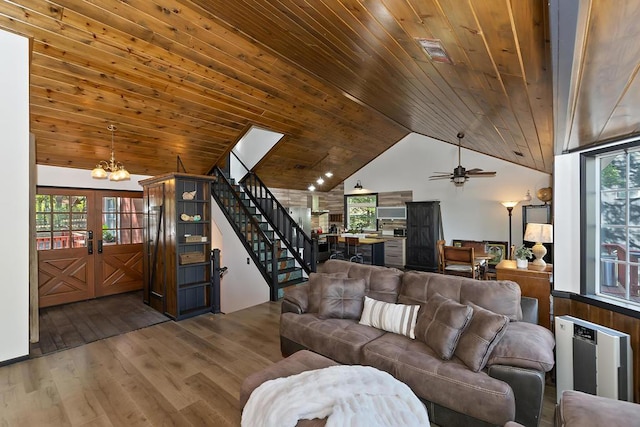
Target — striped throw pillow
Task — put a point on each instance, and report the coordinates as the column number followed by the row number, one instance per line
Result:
column 396, row 318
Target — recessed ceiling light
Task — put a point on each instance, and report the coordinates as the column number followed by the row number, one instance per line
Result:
column 328, row 174
column 320, row 181
column 311, row 188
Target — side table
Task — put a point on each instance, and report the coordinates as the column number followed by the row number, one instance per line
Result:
column 534, row 282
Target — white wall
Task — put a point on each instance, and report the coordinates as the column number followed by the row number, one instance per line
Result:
column 54, row 176
column 14, row 217
column 242, row 285
column 566, row 216
column 471, row 212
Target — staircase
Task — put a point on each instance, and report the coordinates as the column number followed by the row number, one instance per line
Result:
column 268, row 246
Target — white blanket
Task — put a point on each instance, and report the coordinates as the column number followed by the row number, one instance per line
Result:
column 348, row 395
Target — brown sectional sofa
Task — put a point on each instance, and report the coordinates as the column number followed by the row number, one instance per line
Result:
column 509, row 388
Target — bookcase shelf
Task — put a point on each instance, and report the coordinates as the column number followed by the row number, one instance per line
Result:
column 178, row 273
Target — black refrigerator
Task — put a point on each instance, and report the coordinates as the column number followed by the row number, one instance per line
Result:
column 424, row 229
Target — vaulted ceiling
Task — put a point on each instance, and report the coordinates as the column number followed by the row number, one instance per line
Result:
column 344, row 80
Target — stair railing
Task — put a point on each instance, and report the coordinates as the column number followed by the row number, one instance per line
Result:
column 248, row 229
column 301, row 246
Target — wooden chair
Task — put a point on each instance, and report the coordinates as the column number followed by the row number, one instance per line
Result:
column 460, row 261
column 440, row 245
column 352, row 249
column 499, row 252
column 336, row 253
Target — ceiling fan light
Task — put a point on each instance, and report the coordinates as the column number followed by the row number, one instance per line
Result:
column 459, row 181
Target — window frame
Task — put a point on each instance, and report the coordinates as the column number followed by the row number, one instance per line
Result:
column 591, row 256
column 347, row 206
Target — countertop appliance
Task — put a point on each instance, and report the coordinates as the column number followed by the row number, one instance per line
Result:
column 400, row 232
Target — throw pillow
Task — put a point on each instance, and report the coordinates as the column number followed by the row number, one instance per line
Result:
column 427, row 312
column 396, row 318
column 448, row 321
column 342, row 299
column 537, row 354
column 483, row 333
column 315, row 288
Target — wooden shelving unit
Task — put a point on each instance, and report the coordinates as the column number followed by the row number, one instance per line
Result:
column 177, row 244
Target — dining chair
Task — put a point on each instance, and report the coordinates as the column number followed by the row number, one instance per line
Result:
column 352, row 249
column 460, row 261
column 336, row 253
column 498, row 252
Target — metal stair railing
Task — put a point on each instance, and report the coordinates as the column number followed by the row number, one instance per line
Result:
column 248, row 229
column 300, row 245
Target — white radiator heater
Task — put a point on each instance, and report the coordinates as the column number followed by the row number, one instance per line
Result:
column 593, row 359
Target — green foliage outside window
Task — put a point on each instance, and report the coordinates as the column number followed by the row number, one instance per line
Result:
column 361, row 212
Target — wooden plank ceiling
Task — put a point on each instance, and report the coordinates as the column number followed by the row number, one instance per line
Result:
column 604, row 101
column 344, row 80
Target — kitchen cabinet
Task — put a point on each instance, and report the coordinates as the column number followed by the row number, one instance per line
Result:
column 394, row 252
column 177, row 244
column 424, row 229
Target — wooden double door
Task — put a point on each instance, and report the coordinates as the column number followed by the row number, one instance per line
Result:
column 89, row 243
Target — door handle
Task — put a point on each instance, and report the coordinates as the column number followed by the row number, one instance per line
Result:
column 90, row 247
column 99, row 246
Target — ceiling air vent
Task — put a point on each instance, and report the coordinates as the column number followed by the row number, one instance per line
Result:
column 518, row 153
column 435, row 50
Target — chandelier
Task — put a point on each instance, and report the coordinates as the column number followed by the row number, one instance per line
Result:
column 115, row 171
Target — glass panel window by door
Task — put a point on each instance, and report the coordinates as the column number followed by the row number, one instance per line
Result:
column 122, row 220
column 61, row 221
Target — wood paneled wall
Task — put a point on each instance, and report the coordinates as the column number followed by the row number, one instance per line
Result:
column 610, row 319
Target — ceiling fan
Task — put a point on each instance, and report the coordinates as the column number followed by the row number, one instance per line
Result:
column 460, row 175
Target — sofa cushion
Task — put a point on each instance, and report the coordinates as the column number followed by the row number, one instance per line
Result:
column 483, row 333
column 447, row 319
column 316, row 281
column 578, row 409
column 338, row 339
column 298, row 296
column 397, row 318
column 537, row 353
column 382, row 283
column 499, row 296
column 447, row 383
column 342, row 299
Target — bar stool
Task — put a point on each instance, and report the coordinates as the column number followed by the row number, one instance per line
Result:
column 352, row 249
column 336, row 253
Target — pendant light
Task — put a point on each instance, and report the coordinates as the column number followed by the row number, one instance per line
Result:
column 111, row 169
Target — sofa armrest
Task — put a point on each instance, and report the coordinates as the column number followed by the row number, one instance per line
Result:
column 529, row 309
column 528, row 391
column 296, row 299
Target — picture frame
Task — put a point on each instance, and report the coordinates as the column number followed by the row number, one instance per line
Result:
column 499, row 252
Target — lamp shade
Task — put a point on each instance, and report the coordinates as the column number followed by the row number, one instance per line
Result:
column 539, row 233
column 509, row 204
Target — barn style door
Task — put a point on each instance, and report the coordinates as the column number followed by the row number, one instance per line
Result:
column 89, row 243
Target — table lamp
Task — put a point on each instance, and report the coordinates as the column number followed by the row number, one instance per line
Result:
column 539, row 233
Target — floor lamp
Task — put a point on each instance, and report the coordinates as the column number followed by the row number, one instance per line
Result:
column 509, row 206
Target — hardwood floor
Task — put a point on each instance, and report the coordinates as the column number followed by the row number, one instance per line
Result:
column 70, row 325
column 174, row 373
